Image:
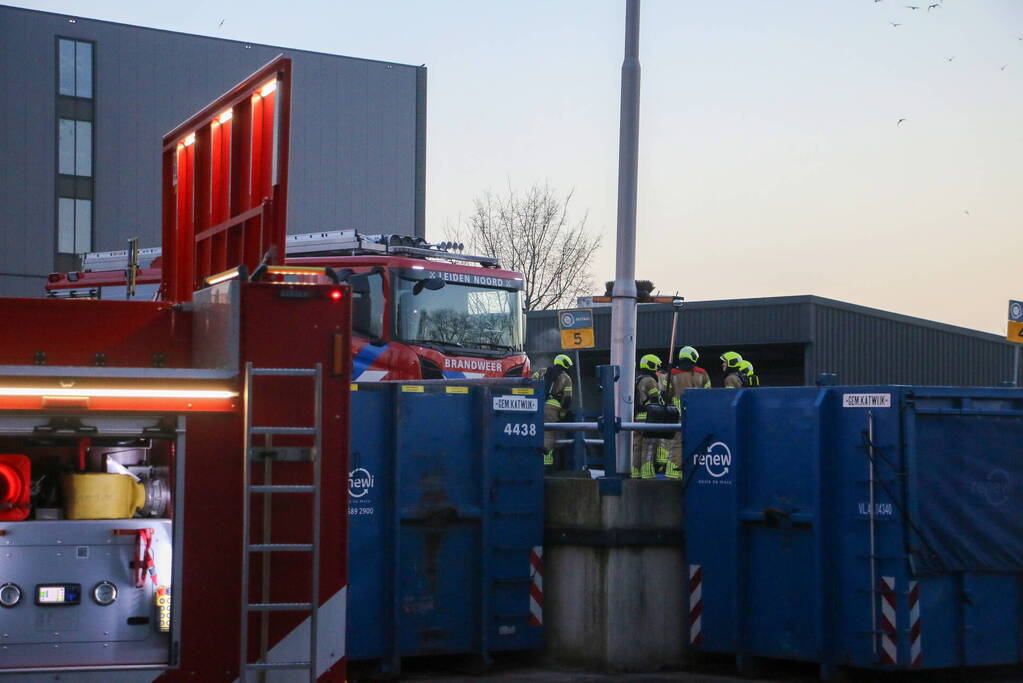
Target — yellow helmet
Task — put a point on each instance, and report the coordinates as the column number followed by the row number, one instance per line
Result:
column 731, row 359
column 650, row 362
column 745, row 368
column 689, row 353
column 563, row 361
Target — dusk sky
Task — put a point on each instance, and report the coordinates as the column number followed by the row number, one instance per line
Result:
column 771, row 162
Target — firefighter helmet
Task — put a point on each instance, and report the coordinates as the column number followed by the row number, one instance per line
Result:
column 563, row 361
column 689, row 353
column 745, row 368
column 731, row 359
column 650, row 362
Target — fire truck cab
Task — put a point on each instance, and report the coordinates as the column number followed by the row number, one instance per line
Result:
column 420, row 311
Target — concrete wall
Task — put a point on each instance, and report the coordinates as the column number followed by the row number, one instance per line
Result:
column 615, row 576
column 357, row 152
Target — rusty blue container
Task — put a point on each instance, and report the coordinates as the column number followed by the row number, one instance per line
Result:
column 445, row 519
column 869, row 527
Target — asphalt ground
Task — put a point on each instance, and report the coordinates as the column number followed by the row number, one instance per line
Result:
column 530, row 669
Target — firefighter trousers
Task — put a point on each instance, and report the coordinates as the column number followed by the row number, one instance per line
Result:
column 644, row 456
column 551, row 413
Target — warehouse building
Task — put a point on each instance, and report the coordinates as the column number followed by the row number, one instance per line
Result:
column 86, row 104
column 791, row 340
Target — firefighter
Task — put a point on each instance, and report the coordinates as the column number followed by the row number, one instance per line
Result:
column 730, row 365
column 686, row 375
column 648, row 398
column 558, row 389
column 748, row 375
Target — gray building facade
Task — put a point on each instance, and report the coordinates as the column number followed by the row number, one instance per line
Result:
column 791, row 340
column 86, row 104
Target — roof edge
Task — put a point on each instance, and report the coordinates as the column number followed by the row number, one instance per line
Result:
column 79, row 17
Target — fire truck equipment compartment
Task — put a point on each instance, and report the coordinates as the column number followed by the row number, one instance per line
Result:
column 871, row 527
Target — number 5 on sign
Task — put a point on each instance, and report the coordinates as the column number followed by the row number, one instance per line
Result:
column 576, row 327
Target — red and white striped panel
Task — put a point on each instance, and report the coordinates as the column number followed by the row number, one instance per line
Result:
column 916, row 658
column 536, row 588
column 889, row 638
column 695, row 604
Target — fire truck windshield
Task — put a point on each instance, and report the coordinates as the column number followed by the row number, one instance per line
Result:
column 459, row 315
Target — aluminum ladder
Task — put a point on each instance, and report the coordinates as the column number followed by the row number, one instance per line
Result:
column 249, row 548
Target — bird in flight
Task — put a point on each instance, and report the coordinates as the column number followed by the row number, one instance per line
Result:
column 221, row 23
column 930, row 7
column 966, row 212
column 894, row 24
column 1003, row 67
column 899, row 122
column 949, row 59
column 912, row 6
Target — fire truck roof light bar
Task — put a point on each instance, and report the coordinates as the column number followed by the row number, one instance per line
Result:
column 118, row 393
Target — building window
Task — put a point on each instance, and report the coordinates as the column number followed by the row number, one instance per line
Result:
column 75, row 68
column 74, row 148
column 74, row 225
column 75, row 133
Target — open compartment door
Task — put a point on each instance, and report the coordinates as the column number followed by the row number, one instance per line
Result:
column 225, row 183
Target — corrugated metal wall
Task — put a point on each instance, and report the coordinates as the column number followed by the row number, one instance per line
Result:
column 862, row 345
column 781, row 320
column 870, row 348
column 354, row 161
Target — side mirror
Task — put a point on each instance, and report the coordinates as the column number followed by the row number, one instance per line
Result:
column 433, row 283
column 359, row 283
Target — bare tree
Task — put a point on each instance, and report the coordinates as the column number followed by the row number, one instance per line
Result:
column 531, row 232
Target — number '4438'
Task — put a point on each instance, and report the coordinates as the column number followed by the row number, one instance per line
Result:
column 520, row 429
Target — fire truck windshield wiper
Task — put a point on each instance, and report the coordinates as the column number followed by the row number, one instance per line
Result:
column 434, row 341
column 499, row 347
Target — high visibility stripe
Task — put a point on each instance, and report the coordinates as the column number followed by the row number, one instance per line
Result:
column 695, row 604
column 536, row 587
column 916, row 658
column 889, row 651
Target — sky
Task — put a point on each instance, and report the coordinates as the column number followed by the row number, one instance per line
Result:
column 771, row 158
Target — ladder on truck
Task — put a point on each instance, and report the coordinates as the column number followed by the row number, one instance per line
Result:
column 265, row 547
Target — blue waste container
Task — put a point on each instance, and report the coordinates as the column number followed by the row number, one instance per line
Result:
column 445, row 517
column 875, row 527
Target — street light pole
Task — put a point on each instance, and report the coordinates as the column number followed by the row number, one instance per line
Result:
column 623, row 295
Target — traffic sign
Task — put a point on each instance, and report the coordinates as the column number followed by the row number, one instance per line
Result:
column 576, row 328
column 1015, row 331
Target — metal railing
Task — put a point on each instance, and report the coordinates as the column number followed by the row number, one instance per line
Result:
column 608, row 426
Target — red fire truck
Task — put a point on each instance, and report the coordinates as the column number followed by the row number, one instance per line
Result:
column 172, row 473
column 420, row 311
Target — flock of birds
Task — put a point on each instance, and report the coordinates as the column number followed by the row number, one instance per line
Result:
column 936, row 5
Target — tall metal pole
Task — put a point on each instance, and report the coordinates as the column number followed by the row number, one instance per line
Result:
column 623, row 296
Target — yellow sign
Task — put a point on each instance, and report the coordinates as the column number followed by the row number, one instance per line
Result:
column 412, row 388
column 1015, row 333
column 457, row 390
column 576, row 327
column 354, row 387
column 522, row 391
column 577, row 339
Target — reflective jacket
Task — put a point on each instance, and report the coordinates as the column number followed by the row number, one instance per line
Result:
column 647, row 392
column 733, row 381
column 696, row 378
column 560, row 392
